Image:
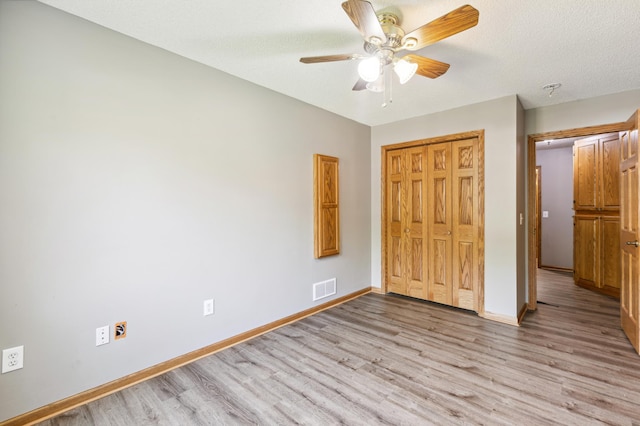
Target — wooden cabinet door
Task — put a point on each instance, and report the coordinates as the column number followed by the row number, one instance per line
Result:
column 596, row 168
column 630, row 233
column 609, row 197
column 585, row 173
column 406, row 248
column 586, row 262
column 596, row 173
column 597, row 253
column 610, row 255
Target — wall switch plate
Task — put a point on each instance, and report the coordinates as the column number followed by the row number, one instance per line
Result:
column 12, row 359
column 209, row 307
column 102, row 335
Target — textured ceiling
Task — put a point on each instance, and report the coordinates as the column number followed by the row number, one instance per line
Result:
column 518, row 46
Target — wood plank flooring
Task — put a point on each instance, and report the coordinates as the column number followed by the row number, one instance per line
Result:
column 393, row 360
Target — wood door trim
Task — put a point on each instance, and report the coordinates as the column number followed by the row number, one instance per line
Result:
column 479, row 134
column 531, row 191
column 538, row 214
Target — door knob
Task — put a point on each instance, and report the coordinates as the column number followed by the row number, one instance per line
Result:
column 406, row 230
column 633, row 243
column 448, row 232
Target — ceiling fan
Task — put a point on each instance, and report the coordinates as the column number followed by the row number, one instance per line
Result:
column 384, row 38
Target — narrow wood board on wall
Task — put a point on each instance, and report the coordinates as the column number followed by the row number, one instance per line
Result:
column 326, row 228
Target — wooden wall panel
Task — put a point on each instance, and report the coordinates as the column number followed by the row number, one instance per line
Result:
column 465, row 266
column 396, row 197
column 416, row 201
column 416, row 259
column 465, row 192
column 440, row 288
column 326, row 206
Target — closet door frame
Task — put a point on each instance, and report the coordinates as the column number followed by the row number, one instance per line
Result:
column 479, row 135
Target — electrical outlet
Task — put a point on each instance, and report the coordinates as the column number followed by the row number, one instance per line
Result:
column 12, row 359
column 209, row 307
column 102, row 335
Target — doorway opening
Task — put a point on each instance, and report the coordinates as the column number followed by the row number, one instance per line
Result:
column 533, row 229
column 554, row 206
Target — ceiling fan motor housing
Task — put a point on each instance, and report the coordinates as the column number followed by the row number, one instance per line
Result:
column 395, row 34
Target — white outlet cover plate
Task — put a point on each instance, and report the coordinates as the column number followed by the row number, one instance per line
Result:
column 102, row 335
column 12, row 359
column 209, row 307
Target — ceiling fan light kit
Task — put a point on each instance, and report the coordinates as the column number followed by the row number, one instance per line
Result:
column 369, row 69
column 384, row 38
column 404, row 70
column 376, row 86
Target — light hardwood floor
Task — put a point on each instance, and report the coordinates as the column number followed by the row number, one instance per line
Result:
column 393, row 360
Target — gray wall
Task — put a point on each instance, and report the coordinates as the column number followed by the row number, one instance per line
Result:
column 557, row 198
column 521, row 208
column 605, row 109
column 134, row 184
column 499, row 119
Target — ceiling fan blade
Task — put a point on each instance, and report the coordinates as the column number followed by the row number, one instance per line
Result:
column 360, row 85
column 364, row 17
column 427, row 67
column 328, row 58
column 445, row 26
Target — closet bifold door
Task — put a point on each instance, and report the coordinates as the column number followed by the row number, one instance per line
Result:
column 453, row 223
column 466, row 218
column 440, row 226
column 406, row 248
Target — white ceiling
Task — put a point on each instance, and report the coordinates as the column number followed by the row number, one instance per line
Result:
column 518, row 46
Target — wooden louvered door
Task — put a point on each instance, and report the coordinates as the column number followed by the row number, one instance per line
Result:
column 630, row 233
column 406, row 251
column 453, row 223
